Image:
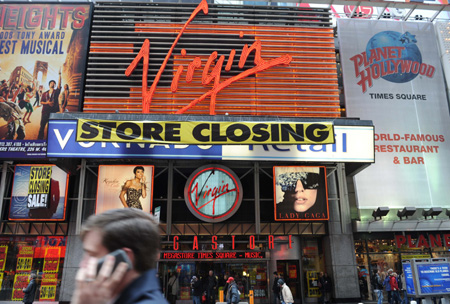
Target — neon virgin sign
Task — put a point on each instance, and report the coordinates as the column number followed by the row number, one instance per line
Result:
column 207, row 77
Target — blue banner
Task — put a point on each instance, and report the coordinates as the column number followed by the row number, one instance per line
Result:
column 353, row 144
column 409, row 279
column 434, row 278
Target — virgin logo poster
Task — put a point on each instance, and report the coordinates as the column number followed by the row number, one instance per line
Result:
column 393, row 76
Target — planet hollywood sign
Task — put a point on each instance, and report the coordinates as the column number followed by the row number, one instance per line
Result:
column 426, row 241
column 392, row 56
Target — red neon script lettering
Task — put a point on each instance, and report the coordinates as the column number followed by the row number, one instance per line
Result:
column 214, row 75
column 215, row 193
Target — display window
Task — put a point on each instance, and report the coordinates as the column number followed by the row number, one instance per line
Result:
column 312, row 264
column 382, row 254
column 21, row 256
column 248, row 276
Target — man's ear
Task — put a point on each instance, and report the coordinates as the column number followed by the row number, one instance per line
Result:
column 130, row 255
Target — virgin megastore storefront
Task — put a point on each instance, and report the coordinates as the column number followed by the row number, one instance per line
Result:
column 227, row 208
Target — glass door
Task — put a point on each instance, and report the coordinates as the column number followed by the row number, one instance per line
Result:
column 289, row 271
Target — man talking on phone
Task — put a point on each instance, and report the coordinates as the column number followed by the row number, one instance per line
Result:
column 137, row 235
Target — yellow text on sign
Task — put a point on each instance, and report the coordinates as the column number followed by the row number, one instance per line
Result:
column 47, row 292
column 24, row 264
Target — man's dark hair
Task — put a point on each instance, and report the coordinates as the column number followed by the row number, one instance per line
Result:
column 51, row 82
column 128, row 228
column 275, row 273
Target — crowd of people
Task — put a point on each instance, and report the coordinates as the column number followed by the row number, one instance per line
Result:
column 19, row 100
column 205, row 289
column 392, row 283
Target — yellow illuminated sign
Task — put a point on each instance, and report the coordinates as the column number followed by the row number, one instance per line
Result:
column 24, row 263
column 47, row 292
column 205, row 133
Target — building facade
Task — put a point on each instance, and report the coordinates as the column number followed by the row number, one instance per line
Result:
column 228, row 109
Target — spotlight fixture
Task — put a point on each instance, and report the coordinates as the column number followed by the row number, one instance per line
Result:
column 407, row 211
column 435, row 211
column 380, row 212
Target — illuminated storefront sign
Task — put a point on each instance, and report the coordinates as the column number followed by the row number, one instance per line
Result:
column 223, row 255
column 214, row 244
column 204, row 132
column 213, row 193
column 427, row 241
column 207, row 77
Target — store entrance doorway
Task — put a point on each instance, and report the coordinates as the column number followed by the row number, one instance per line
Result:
column 248, row 276
column 289, row 271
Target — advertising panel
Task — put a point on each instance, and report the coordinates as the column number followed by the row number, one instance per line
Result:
column 42, row 62
column 3, row 254
column 21, row 281
column 352, row 144
column 393, row 76
column 300, row 193
column 432, row 278
column 39, row 193
column 408, row 277
column 47, row 290
column 125, row 186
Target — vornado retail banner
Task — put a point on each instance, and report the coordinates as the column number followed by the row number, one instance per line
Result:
column 353, row 144
column 393, row 76
column 200, row 132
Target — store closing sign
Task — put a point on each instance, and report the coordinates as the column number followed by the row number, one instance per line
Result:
column 200, row 132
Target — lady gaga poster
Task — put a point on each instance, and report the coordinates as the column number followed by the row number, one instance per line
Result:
column 300, row 193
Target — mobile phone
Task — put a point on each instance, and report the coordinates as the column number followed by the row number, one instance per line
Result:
column 120, row 256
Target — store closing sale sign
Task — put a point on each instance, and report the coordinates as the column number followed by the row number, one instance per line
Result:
column 39, row 193
column 393, row 76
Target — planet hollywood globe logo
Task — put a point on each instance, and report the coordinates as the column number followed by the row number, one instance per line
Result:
column 392, row 56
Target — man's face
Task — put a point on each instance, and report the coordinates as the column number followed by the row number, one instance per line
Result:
column 51, row 85
column 92, row 246
column 210, row 273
